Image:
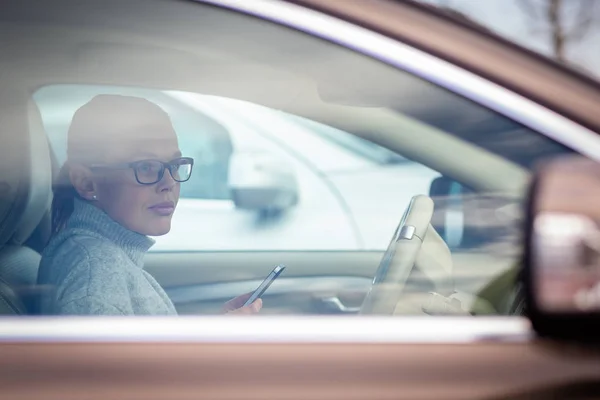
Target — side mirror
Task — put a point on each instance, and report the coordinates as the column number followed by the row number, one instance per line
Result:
column 261, row 181
column 561, row 273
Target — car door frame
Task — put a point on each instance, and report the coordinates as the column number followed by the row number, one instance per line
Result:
column 479, row 51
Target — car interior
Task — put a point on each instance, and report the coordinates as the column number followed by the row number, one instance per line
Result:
column 26, row 198
column 167, row 49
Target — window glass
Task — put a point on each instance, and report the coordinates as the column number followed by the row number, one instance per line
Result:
column 328, row 165
column 305, row 154
column 565, row 30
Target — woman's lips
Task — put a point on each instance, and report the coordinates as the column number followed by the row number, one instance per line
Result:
column 164, row 209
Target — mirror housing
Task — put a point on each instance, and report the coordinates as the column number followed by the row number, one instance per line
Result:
column 260, row 181
column 561, row 274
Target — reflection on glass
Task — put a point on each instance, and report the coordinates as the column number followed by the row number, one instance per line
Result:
column 567, row 253
column 565, row 30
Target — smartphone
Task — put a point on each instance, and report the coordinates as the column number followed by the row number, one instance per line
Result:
column 262, row 288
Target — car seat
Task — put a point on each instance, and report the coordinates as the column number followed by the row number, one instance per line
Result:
column 25, row 196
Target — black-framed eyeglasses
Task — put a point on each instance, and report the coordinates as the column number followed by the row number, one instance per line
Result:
column 149, row 172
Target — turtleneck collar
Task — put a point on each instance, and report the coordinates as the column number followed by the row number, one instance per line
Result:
column 89, row 217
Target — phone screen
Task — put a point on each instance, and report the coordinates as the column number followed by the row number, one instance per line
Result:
column 262, row 288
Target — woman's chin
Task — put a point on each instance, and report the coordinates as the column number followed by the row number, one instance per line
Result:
column 158, row 229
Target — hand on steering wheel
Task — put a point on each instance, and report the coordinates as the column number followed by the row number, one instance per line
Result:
column 403, row 253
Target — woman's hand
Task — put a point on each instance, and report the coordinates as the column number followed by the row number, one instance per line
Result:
column 235, row 306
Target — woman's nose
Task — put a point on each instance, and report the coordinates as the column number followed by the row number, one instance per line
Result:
column 167, row 182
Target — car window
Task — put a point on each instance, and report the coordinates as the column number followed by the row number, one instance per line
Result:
column 306, row 154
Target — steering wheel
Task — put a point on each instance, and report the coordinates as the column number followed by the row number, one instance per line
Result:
column 399, row 258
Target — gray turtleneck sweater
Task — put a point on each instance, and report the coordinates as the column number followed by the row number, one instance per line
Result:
column 95, row 267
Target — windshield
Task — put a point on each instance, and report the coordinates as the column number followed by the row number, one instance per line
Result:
column 360, row 146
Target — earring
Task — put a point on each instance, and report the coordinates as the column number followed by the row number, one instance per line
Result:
column 94, row 197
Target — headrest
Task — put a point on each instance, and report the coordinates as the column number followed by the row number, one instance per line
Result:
column 25, row 171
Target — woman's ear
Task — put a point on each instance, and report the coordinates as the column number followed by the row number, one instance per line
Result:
column 81, row 179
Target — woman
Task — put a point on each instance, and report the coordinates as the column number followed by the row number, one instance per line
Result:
column 120, row 184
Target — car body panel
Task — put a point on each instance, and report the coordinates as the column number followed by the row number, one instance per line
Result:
column 287, row 358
